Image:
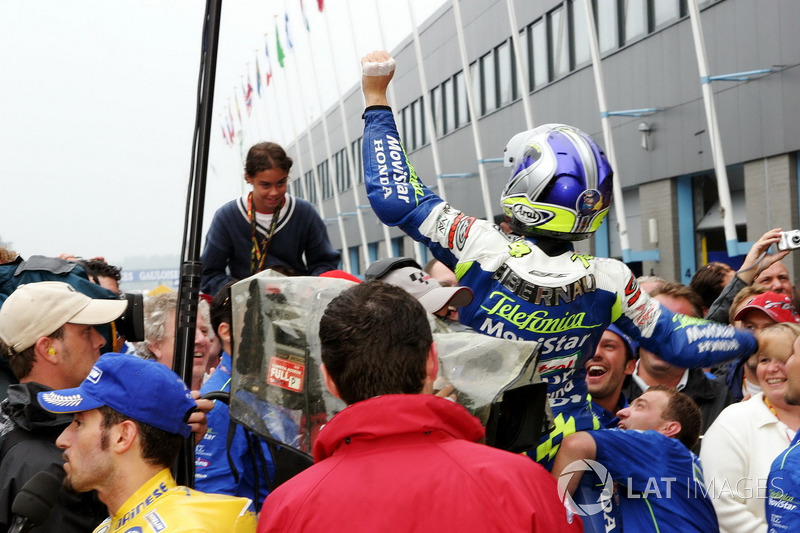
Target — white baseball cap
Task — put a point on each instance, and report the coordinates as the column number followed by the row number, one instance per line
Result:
column 36, row 310
column 427, row 290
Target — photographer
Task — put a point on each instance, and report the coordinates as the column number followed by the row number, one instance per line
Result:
column 756, row 263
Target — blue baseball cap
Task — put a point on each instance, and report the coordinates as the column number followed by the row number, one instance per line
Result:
column 633, row 346
column 140, row 389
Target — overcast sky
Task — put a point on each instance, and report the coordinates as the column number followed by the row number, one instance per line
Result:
column 98, row 101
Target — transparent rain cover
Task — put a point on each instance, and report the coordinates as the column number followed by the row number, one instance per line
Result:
column 277, row 388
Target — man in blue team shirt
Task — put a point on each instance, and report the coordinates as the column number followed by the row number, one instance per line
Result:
column 606, row 372
column 659, row 482
column 783, row 504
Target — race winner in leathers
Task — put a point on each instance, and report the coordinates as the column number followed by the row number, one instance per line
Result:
column 532, row 285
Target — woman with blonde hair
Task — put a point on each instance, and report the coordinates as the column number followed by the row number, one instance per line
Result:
column 739, row 447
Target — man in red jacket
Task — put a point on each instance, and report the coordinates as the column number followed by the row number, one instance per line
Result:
column 399, row 458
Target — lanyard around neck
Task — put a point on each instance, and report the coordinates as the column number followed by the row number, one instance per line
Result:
column 258, row 253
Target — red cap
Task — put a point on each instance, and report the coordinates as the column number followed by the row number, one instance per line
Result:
column 340, row 274
column 777, row 306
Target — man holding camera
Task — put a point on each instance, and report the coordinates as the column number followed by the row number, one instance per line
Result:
column 47, row 333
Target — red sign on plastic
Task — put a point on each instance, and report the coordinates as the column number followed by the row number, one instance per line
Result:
column 286, row 374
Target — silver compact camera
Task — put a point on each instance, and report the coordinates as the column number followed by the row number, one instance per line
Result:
column 790, row 240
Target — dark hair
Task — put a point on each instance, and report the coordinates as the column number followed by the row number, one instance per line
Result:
column 682, row 409
column 21, row 363
column 266, row 156
column 221, row 308
column 159, row 447
column 98, row 267
column 375, row 340
column 674, row 289
column 708, row 281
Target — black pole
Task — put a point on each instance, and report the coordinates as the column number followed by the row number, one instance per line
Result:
column 189, row 289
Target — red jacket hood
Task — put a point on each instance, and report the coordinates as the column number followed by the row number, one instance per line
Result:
column 399, row 414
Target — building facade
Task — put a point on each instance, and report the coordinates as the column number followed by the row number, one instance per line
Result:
column 654, row 107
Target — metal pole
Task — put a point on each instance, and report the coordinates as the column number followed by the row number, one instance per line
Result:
column 521, row 69
column 487, row 206
column 350, row 166
column 723, row 189
column 619, row 206
column 334, row 183
column 189, row 288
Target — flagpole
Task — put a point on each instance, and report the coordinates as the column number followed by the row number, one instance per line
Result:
column 284, row 139
column 314, row 173
column 326, row 138
column 523, row 71
column 423, row 82
column 350, row 166
column 471, row 103
column 251, row 114
column 611, row 153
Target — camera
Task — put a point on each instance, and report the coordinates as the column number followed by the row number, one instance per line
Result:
column 790, row 240
column 131, row 324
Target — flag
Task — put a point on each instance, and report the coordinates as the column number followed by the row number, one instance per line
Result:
column 269, row 62
column 230, row 113
column 305, row 18
column 248, row 95
column 258, row 78
column 288, row 33
column 319, row 4
column 224, row 134
column 238, row 109
column 281, row 55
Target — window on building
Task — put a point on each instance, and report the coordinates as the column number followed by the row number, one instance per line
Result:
column 437, row 110
column 407, row 127
column 343, row 180
column 559, row 41
column 461, row 105
column 373, row 251
column 355, row 262
column 310, row 189
column 538, row 68
column 665, row 11
column 397, row 247
column 297, row 187
column 635, row 16
column 488, row 83
column 448, row 106
column 607, row 24
column 506, row 87
column 324, row 180
column 358, row 159
column 418, row 118
column 580, row 34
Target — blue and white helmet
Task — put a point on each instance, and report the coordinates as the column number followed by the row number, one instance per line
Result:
column 560, row 184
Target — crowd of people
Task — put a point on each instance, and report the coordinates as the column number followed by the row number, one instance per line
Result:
column 674, row 407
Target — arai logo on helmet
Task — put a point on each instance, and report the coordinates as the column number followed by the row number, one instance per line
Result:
column 529, row 215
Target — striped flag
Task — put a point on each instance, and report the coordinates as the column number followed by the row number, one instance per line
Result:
column 258, row 78
column 248, row 95
column 288, row 32
column 238, row 109
column 269, row 62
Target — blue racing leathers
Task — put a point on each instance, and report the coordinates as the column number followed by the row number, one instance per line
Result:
column 539, row 290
